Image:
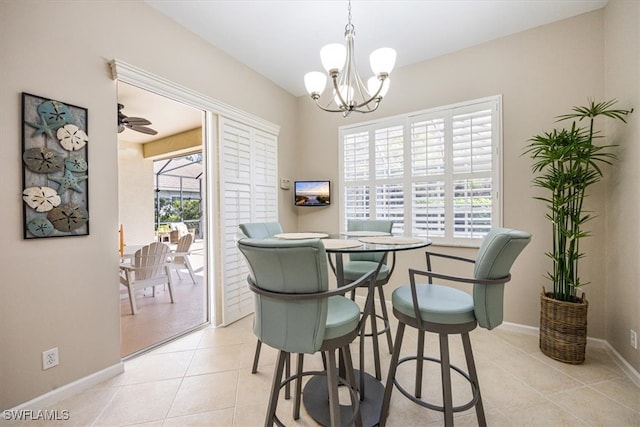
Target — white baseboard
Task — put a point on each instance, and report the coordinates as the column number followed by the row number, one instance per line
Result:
column 629, row 370
column 633, row 375
column 624, row 365
column 51, row 398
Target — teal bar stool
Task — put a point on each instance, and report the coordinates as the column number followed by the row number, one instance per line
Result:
column 295, row 312
column 444, row 310
column 260, row 230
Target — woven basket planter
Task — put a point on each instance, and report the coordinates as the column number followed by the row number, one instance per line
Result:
column 563, row 328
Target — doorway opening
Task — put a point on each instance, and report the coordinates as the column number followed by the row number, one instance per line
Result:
column 161, row 199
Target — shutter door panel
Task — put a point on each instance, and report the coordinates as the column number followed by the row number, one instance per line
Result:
column 248, row 194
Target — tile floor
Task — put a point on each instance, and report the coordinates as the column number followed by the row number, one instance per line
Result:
column 204, row 379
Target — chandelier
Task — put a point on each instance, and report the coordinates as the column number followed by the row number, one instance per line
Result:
column 349, row 92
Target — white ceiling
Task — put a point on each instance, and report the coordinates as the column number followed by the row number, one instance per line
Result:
column 167, row 116
column 281, row 39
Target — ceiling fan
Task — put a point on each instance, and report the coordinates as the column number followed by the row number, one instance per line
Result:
column 138, row 124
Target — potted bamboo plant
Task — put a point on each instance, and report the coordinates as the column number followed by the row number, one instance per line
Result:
column 567, row 162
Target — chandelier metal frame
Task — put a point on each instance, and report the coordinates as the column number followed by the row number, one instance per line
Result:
column 350, row 93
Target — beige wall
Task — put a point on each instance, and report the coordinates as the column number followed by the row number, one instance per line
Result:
column 64, row 292
column 135, row 194
column 622, row 81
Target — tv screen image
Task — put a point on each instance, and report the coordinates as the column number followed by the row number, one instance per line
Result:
column 312, row 193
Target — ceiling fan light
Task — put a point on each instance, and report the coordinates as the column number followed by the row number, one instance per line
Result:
column 383, row 60
column 315, row 82
column 333, row 56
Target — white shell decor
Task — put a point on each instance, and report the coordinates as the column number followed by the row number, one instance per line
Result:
column 41, row 199
column 72, row 138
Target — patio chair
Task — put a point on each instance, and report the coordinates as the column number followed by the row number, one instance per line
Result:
column 149, row 267
column 181, row 261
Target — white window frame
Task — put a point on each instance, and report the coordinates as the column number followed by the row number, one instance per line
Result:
column 406, row 228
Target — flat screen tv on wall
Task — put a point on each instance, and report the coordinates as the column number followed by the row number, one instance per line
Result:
column 312, row 193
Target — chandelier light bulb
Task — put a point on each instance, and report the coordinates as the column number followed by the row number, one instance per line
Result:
column 333, row 56
column 383, row 60
column 373, row 84
column 315, row 82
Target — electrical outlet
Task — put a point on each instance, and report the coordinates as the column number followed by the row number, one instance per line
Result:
column 633, row 337
column 50, row 358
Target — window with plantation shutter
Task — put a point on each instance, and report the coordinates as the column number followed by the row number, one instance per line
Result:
column 248, row 159
column 435, row 173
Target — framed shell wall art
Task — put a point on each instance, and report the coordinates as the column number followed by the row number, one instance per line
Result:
column 55, row 170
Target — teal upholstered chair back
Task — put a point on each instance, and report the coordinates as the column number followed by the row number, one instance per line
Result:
column 368, row 225
column 292, row 267
column 260, row 230
column 498, row 251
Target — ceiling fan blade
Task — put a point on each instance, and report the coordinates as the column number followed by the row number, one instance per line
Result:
column 136, row 121
column 143, row 129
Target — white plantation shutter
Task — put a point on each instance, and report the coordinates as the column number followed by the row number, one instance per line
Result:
column 356, row 174
column 428, row 176
column 472, row 156
column 373, row 167
column 265, row 190
column 248, row 162
column 434, row 173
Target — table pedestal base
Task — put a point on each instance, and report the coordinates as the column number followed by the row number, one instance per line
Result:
column 315, row 398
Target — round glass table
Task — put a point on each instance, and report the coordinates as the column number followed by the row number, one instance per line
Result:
column 371, row 390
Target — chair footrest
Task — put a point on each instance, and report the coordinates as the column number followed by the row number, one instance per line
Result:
column 380, row 331
column 474, row 387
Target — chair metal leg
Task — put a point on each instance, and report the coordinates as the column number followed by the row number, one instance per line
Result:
column 374, row 340
column 287, row 374
column 361, row 361
column 275, row 389
column 298, row 392
column 393, row 366
column 473, row 374
column 445, row 370
column 385, row 316
column 256, row 357
column 419, row 364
